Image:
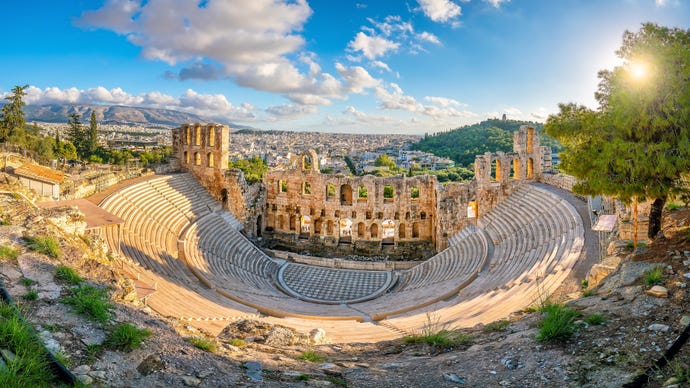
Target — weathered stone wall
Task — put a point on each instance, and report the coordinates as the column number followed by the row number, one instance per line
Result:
column 398, row 217
column 563, row 181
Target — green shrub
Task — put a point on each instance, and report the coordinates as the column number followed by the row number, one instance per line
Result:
column 312, row 356
column 90, row 301
column 68, row 275
column 126, row 337
column 595, row 319
column 8, row 253
column 496, row 326
column 671, row 206
column 437, row 335
column 653, row 276
column 587, row 293
column 45, row 245
column 203, row 344
column 31, row 295
column 30, row 367
column 240, row 343
column 28, row 282
column 557, row 324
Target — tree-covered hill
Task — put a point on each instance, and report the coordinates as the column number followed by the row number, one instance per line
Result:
column 464, row 143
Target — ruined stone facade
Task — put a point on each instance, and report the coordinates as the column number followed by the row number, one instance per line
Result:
column 401, row 217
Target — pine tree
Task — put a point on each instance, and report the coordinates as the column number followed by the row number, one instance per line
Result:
column 12, row 118
column 77, row 136
column 637, row 144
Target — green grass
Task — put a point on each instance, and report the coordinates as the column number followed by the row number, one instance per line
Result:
column 671, row 206
column 126, row 337
column 45, row 245
column 595, row 319
column 93, row 351
column 90, row 301
column 303, row 377
column 240, row 343
column 63, row 359
column 51, row 327
column 67, row 275
column 587, row 293
column 203, row 344
column 337, row 381
column 31, row 295
column 438, row 335
column 496, row 326
column 681, row 372
column 8, row 253
column 28, row 282
column 30, row 368
column 557, row 324
column 312, row 356
column 653, row 276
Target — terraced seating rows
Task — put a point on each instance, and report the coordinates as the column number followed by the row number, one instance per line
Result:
column 207, row 272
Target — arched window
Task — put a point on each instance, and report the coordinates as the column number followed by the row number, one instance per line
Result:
column 317, row 226
column 497, row 170
column 209, row 156
column 362, row 193
column 197, row 136
column 414, row 192
column 197, row 159
column 388, row 193
column 401, row 231
column 306, row 162
column 374, row 231
column 360, row 229
column 306, row 188
column 188, row 135
column 186, row 157
column 346, row 195
column 422, row 215
column 329, row 227
column 282, row 186
column 415, row 230
column 293, row 221
column 530, row 168
column 330, row 191
column 530, row 140
column 516, row 168
column 211, row 136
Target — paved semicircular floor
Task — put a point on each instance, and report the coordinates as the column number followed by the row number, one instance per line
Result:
column 329, row 285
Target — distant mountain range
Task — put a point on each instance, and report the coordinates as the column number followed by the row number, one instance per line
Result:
column 115, row 114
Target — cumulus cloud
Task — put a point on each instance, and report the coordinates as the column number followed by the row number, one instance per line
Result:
column 202, row 71
column 440, row 10
column 428, row 37
column 392, row 97
column 290, row 110
column 381, row 65
column 372, row 47
column 209, row 105
column 442, row 101
column 364, row 117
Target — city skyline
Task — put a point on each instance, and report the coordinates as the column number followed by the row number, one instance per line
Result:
column 358, row 67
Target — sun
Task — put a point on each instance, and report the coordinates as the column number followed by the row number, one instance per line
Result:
column 638, row 70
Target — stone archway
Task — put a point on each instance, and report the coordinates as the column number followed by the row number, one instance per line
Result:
column 388, row 231
column 346, row 194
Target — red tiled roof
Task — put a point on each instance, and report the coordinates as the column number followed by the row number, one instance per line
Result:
column 40, row 173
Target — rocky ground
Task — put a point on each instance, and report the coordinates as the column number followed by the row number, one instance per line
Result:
column 637, row 329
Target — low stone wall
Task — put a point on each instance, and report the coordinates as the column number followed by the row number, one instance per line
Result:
column 563, row 181
column 342, row 263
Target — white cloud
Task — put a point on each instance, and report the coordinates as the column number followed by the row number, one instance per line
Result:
column 381, row 65
column 660, row 3
column 440, row 10
column 513, row 111
column 393, row 97
column 497, row 3
column 428, row 37
column 208, row 105
column 443, row 101
column 357, row 79
column 290, row 110
column 371, row 47
column 364, row 117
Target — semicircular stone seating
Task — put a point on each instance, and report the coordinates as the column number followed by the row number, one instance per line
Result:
column 207, row 272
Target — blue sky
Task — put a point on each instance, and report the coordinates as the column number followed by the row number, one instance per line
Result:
column 370, row 66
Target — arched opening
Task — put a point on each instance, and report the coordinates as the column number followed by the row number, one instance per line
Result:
column 186, row 157
column 197, row 159
column 362, row 193
column 530, row 168
column 346, row 195
column 345, row 230
column 258, row 226
column 361, row 229
column 188, row 136
column 329, row 227
column 396, row 216
column 282, row 186
column 305, row 226
column 388, row 193
column 401, row 231
column 306, row 188
column 281, row 222
column 374, row 231
column 209, row 156
column 211, row 136
column 317, row 226
column 415, row 230
column 388, row 232
column 516, row 168
column 414, row 192
column 306, row 162
column 293, row 221
column 497, row 170
column 530, row 140
column 407, row 215
column 422, row 215
column 197, row 135
column 330, row 191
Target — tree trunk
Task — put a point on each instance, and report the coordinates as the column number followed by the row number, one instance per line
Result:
column 655, row 217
